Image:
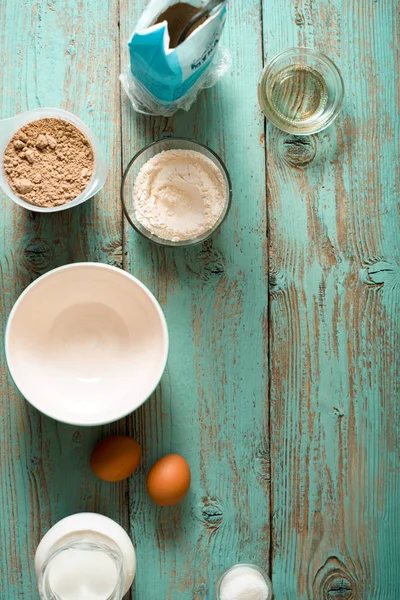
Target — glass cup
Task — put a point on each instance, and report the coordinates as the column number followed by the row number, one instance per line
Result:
column 235, row 570
column 301, row 91
column 82, row 569
column 85, row 556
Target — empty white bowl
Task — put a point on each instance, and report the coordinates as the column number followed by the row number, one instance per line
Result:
column 86, row 344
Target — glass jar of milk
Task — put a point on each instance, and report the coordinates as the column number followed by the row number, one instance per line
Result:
column 85, row 557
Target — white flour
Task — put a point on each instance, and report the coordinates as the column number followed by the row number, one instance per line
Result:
column 244, row 583
column 179, row 195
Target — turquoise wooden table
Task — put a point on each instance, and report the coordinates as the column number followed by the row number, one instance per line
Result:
column 282, row 387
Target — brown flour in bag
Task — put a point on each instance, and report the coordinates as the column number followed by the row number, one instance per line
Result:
column 48, row 162
column 178, row 16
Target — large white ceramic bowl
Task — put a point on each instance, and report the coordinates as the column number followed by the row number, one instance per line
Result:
column 86, row 344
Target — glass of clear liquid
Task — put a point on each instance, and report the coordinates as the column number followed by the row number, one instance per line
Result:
column 301, row 91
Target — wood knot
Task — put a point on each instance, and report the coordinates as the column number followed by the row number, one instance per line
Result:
column 114, row 253
column 37, row 254
column 276, row 283
column 381, row 274
column 333, row 581
column 299, row 19
column 337, row 412
column 263, row 463
column 297, row 151
column 338, row 588
column 34, row 462
column 208, row 263
column 211, row 514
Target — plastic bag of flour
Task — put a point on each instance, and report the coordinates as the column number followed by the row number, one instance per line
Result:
column 163, row 77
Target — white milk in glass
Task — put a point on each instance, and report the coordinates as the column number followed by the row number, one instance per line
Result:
column 85, row 557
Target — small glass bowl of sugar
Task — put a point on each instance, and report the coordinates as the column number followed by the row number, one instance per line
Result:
column 244, row 581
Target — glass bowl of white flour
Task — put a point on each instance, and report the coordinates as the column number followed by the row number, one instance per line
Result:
column 176, row 192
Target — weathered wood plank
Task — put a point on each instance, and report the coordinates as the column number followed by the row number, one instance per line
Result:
column 212, row 406
column 55, row 53
column 335, row 289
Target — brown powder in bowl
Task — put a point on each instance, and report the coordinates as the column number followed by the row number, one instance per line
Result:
column 48, row 162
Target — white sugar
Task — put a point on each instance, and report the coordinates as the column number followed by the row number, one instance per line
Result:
column 244, row 583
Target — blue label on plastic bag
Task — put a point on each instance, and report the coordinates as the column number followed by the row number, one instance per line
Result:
column 169, row 74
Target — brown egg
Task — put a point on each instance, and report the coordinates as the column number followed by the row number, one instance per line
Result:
column 168, row 481
column 116, row 458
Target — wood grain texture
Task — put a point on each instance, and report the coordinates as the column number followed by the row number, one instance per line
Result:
column 212, row 406
column 335, row 309
column 311, row 492
column 53, row 54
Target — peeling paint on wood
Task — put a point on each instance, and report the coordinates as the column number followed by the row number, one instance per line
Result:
column 213, row 403
column 282, row 386
column 53, row 55
column 335, row 318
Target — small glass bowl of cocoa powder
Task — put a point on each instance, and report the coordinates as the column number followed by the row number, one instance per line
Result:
column 50, row 160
